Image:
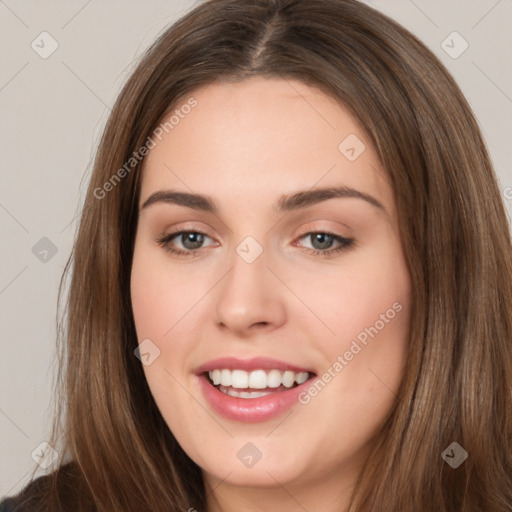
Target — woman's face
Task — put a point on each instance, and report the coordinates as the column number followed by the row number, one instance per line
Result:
column 281, row 281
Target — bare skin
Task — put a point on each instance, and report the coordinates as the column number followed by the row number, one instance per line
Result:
column 246, row 146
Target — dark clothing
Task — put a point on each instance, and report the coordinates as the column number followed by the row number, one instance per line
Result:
column 27, row 499
column 34, row 496
column 7, row 505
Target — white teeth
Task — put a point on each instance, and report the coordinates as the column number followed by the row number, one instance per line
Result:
column 301, row 377
column 239, row 379
column 243, row 394
column 274, row 379
column 257, row 379
column 215, row 376
column 225, row 377
column 288, row 379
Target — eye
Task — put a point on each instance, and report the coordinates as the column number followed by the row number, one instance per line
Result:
column 188, row 243
column 322, row 243
column 191, row 242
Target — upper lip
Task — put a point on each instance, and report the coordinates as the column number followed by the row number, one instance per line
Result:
column 255, row 363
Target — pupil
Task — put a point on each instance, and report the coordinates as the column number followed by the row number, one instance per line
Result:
column 324, row 239
column 195, row 239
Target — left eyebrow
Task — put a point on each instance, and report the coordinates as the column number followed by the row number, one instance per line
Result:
column 295, row 201
column 305, row 198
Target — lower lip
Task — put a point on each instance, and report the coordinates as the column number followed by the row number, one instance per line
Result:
column 251, row 410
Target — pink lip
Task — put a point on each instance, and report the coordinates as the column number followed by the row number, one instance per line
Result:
column 250, row 410
column 256, row 363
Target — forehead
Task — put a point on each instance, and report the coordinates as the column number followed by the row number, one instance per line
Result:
column 261, row 137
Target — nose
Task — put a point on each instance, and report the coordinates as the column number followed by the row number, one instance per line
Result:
column 251, row 298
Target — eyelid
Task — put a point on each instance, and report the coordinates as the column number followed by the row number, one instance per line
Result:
column 341, row 241
column 175, row 233
column 190, row 227
column 321, row 226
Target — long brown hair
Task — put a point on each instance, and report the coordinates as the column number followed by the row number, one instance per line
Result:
column 457, row 385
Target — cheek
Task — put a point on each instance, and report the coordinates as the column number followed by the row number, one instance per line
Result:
column 368, row 289
column 364, row 359
column 158, row 298
column 148, row 305
column 160, row 302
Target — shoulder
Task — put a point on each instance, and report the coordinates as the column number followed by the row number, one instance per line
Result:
column 61, row 490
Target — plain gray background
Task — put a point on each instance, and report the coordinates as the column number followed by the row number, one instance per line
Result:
column 52, row 112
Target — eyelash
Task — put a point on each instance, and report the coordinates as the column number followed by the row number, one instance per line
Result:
column 345, row 243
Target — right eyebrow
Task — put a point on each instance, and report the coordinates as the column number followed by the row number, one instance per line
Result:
column 195, row 201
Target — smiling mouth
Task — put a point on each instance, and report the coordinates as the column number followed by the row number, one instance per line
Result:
column 255, row 384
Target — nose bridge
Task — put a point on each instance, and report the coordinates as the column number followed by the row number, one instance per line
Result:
column 247, row 298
